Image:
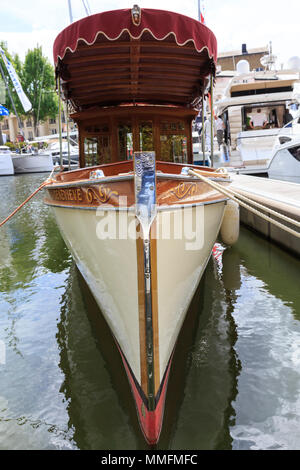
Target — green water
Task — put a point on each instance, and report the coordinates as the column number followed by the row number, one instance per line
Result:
column 235, row 380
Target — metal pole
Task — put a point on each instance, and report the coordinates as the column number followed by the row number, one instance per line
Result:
column 68, row 135
column 203, row 133
column 59, row 124
column 212, row 120
column 199, row 11
column 85, row 7
column 70, row 11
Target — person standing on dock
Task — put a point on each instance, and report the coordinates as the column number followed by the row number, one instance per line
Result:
column 287, row 118
column 220, row 130
column 207, row 132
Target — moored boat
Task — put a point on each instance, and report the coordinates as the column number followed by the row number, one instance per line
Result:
column 140, row 227
column 6, row 165
column 32, row 163
column 255, row 109
column 285, row 160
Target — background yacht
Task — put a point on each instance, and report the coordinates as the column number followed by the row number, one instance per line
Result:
column 6, row 165
column 271, row 92
column 32, row 163
column 53, row 149
column 285, row 160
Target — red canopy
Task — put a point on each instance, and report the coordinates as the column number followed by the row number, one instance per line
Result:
column 155, row 57
column 112, row 24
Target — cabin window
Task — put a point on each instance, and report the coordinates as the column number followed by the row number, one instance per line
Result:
column 98, row 128
column 97, row 150
column 173, row 148
column 146, row 136
column 125, row 141
column 173, row 141
column 167, row 126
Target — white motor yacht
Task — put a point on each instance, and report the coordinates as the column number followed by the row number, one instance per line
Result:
column 53, row 149
column 285, row 160
column 249, row 96
column 32, row 163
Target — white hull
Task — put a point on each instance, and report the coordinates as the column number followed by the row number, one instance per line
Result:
column 6, row 165
column 32, row 163
column 255, row 149
column 284, row 166
column 110, row 269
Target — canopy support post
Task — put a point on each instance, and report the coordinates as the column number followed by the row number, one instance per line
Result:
column 68, row 135
column 212, row 120
column 59, row 123
column 203, row 133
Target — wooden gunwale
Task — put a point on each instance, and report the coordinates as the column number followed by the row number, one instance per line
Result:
column 171, row 191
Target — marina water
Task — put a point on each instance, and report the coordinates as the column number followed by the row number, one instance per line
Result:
column 235, row 378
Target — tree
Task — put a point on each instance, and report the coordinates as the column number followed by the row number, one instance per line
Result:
column 38, row 82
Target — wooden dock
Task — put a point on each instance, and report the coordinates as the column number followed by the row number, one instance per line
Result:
column 281, row 196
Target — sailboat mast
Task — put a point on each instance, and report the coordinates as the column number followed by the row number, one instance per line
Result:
column 70, row 11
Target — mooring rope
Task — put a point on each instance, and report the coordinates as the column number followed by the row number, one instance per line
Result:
column 234, row 196
column 49, row 180
column 231, row 194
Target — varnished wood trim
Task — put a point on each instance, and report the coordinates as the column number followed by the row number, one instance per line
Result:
column 154, row 284
column 142, row 312
column 192, row 71
column 81, row 149
column 163, row 55
column 175, row 111
column 190, row 143
column 114, row 139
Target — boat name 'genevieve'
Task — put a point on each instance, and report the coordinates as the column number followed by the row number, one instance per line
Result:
column 67, row 194
column 86, row 195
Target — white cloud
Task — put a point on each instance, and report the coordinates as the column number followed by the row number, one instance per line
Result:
column 20, row 42
column 233, row 22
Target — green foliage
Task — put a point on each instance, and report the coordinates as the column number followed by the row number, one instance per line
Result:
column 19, row 145
column 38, row 82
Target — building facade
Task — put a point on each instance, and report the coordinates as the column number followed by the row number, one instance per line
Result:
column 12, row 129
column 228, row 60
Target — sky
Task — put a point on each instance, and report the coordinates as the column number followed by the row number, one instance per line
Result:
column 26, row 23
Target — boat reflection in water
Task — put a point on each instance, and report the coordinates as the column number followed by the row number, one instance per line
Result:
column 201, row 388
column 236, row 380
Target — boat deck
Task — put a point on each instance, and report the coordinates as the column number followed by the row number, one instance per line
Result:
column 281, row 196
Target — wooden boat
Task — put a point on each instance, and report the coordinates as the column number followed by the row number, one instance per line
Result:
column 135, row 78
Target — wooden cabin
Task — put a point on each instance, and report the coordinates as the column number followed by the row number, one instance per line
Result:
column 136, row 89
